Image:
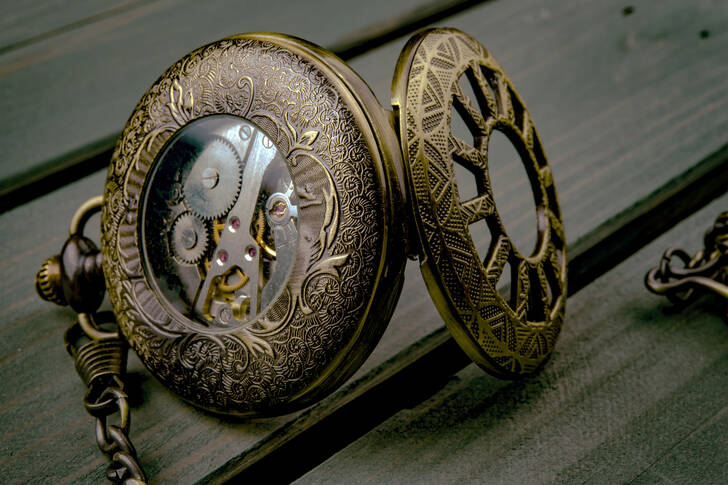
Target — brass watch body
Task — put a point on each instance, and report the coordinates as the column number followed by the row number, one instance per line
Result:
column 339, row 146
column 260, row 206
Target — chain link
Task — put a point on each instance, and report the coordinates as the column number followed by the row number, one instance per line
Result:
column 100, row 359
column 706, row 270
column 75, row 278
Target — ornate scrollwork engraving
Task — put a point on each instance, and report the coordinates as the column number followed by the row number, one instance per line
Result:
column 261, row 365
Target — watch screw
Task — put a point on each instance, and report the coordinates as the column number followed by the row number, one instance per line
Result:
column 210, row 178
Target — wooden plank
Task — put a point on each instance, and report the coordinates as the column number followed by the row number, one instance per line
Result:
column 423, row 368
column 622, row 103
column 699, row 457
column 24, row 23
column 614, row 240
column 179, row 444
column 93, row 71
column 635, row 391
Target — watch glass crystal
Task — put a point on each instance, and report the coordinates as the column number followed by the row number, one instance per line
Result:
column 219, row 222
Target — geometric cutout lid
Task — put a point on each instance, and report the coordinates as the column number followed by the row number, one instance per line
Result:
column 446, row 79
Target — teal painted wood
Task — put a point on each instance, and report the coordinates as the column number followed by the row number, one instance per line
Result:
column 619, row 101
column 636, row 393
column 25, row 22
column 78, row 86
column 584, row 120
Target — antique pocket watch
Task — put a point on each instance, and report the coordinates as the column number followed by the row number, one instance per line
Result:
column 261, row 204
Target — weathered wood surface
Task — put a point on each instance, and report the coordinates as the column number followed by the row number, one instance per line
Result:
column 620, row 102
column 71, row 72
column 25, row 22
column 617, row 124
column 635, row 393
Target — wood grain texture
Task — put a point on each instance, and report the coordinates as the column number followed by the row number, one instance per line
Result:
column 23, row 22
column 612, row 140
column 635, row 393
column 423, row 368
column 78, row 85
column 621, row 103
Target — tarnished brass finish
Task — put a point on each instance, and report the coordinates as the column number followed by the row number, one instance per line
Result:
column 48, row 281
column 99, row 352
column 84, row 213
column 340, row 149
column 255, row 294
column 707, row 270
column 101, row 364
column 74, row 276
column 508, row 337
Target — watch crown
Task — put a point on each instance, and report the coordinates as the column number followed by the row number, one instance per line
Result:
column 48, row 281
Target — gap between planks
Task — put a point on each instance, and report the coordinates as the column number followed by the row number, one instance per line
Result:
column 422, row 369
column 69, row 167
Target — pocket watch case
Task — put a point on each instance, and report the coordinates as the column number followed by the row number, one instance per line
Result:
column 511, row 335
column 260, row 206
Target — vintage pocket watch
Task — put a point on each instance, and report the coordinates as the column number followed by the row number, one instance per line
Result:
column 261, row 204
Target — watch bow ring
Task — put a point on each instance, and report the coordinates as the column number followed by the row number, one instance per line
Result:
column 260, row 206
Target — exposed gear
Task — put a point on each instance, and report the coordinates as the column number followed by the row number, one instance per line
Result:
column 213, row 183
column 189, row 238
column 262, row 233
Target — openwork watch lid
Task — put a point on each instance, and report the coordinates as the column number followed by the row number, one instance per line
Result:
column 507, row 335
